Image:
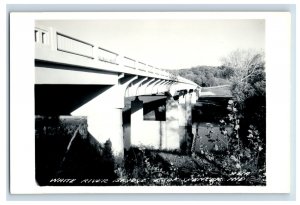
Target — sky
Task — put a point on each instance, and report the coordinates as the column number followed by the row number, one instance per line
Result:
column 169, row 44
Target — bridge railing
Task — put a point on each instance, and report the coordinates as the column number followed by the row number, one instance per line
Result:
column 41, row 36
column 74, row 46
column 59, row 41
column 107, row 56
column 129, row 62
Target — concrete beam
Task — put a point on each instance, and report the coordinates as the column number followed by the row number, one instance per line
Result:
column 142, row 88
column 148, row 90
column 156, row 86
column 65, row 75
column 133, row 89
column 163, row 87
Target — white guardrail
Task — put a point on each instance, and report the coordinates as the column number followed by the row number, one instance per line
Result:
column 68, row 44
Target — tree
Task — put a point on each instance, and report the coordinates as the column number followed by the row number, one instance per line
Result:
column 245, row 63
column 249, row 78
column 249, row 86
column 225, row 72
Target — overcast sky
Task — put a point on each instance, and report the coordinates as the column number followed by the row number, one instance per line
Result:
column 169, row 44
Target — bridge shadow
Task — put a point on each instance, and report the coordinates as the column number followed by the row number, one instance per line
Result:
column 155, row 110
column 63, row 99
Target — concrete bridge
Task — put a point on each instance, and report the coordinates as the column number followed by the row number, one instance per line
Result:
column 77, row 77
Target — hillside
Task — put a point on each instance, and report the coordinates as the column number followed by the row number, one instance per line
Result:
column 207, row 76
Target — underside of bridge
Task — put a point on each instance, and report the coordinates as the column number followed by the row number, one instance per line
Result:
column 158, row 121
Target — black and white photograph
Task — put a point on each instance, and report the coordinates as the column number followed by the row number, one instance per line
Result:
column 150, row 102
column 172, row 102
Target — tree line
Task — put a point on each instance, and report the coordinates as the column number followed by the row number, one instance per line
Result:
column 240, row 65
column 207, row 76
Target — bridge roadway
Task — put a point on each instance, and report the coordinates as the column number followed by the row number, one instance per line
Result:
column 77, row 77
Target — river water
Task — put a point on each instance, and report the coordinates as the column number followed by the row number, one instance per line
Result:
column 206, row 114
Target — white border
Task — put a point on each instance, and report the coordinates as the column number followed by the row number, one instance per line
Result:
column 22, row 102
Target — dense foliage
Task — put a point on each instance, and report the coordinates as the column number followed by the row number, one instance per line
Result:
column 248, row 87
column 234, row 152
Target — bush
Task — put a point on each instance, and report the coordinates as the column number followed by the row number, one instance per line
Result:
column 239, row 155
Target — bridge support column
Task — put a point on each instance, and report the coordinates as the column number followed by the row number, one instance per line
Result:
column 172, row 139
column 147, row 133
column 173, row 133
column 136, row 120
column 104, row 116
column 185, row 123
column 155, row 134
column 105, row 124
column 194, row 97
